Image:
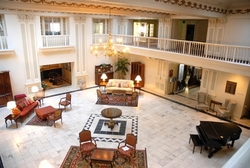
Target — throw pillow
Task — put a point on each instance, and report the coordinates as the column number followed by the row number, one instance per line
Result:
column 20, row 105
column 119, row 85
column 114, row 84
column 109, row 84
column 16, row 111
column 125, row 85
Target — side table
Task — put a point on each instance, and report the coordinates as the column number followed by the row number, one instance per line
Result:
column 11, row 117
column 103, row 86
column 214, row 103
column 138, row 87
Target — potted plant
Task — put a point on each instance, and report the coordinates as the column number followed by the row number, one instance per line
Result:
column 44, row 85
column 121, row 67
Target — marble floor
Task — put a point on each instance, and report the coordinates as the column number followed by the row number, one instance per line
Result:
column 163, row 129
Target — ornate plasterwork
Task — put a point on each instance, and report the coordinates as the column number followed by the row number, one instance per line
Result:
column 79, row 19
column 82, row 5
column 211, row 22
column 186, row 3
column 221, row 22
column 26, row 18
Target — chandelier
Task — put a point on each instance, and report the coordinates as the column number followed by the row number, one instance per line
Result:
column 108, row 49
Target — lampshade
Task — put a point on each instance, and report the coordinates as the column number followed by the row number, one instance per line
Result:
column 34, row 89
column 11, row 104
column 104, row 76
column 138, row 78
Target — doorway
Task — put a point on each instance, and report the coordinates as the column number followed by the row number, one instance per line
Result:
column 190, row 32
column 56, row 75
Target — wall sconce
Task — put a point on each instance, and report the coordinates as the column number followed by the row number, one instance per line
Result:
column 104, row 77
column 138, row 79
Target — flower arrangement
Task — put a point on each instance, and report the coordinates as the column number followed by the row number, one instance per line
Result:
column 44, row 85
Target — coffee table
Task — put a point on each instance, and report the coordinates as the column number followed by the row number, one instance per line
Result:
column 119, row 92
column 104, row 156
column 43, row 112
column 11, row 117
column 111, row 113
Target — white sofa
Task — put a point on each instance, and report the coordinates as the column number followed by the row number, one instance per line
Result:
column 120, row 84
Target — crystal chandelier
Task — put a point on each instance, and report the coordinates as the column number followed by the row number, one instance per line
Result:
column 108, row 49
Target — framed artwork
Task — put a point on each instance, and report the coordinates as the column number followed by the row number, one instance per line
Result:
column 230, row 87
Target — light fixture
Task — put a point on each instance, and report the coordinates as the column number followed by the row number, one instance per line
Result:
column 11, row 105
column 138, row 79
column 104, row 77
column 34, row 89
column 108, row 49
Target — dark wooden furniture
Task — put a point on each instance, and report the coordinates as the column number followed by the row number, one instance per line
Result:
column 103, row 68
column 87, row 143
column 196, row 141
column 57, row 115
column 104, row 156
column 12, row 117
column 214, row 103
column 65, row 101
column 217, row 134
column 5, row 88
column 138, row 68
column 111, row 113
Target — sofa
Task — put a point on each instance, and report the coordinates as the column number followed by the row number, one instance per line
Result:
column 120, row 84
column 25, row 105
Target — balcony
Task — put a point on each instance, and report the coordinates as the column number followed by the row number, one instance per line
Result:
column 55, row 43
column 226, row 53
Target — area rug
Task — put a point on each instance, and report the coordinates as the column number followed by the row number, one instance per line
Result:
column 35, row 120
column 101, row 132
column 119, row 100
column 73, row 159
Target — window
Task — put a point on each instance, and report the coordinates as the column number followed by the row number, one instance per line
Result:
column 53, row 26
column 100, row 26
column 2, row 26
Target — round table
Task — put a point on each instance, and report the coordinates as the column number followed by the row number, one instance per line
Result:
column 111, row 113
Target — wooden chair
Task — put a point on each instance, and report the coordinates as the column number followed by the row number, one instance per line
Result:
column 65, row 101
column 102, row 97
column 132, row 98
column 127, row 147
column 87, row 143
column 57, row 115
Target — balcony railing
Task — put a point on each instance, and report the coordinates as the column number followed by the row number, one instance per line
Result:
column 221, row 52
column 55, row 41
column 3, row 43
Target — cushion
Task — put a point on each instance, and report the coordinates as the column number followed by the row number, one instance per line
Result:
column 119, row 85
column 125, row 85
column 201, row 97
column 20, row 104
column 229, row 106
column 114, row 84
column 109, row 84
column 16, row 111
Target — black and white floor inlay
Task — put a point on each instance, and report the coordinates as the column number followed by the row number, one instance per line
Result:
column 101, row 132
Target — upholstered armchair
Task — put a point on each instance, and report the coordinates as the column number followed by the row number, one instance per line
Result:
column 57, row 115
column 65, row 101
column 226, row 111
column 132, row 98
column 102, row 97
column 87, row 143
column 127, row 147
column 202, row 101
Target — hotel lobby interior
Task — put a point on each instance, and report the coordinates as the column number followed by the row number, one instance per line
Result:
column 181, row 38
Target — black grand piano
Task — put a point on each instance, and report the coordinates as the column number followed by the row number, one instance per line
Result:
column 217, row 134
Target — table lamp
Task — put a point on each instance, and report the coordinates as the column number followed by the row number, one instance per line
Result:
column 138, row 79
column 103, row 77
column 11, row 105
column 34, row 89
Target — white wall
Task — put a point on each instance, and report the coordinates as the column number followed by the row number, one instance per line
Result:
column 237, row 31
column 240, row 93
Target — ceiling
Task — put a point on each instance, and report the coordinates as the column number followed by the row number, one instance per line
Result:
column 139, row 8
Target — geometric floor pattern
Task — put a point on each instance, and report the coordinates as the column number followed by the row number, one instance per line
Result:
column 101, row 132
